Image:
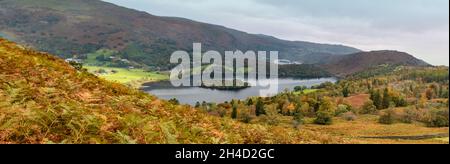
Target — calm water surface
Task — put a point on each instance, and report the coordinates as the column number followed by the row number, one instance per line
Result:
column 191, row 95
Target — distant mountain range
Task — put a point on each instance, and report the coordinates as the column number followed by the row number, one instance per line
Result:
column 354, row 63
column 77, row 27
column 67, row 27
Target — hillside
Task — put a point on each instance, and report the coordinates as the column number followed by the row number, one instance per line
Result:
column 45, row 100
column 68, row 27
column 354, row 63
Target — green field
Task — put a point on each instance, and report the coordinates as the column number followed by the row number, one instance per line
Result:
column 133, row 77
column 306, row 91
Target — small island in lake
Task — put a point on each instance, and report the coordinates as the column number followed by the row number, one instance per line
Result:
column 219, row 85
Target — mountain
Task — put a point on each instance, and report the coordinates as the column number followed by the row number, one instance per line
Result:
column 45, row 100
column 68, row 27
column 357, row 62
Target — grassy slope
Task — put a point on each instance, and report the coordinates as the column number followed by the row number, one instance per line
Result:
column 44, row 100
column 128, row 76
column 368, row 126
column 306, row 91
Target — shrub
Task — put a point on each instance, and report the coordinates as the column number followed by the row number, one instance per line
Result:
column 388, row 117
column 341, row 109
column 76, row 65
column 323, row 118
column 369, row 108
column 174, row 101
column 439, row 118
column 325, row 113
column 349, row 116
column 414, row 114
column 245, row 116
column 272, row 117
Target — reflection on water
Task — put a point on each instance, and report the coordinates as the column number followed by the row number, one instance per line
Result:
column 191, row 95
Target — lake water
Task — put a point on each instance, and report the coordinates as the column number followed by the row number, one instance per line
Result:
column 191, row 95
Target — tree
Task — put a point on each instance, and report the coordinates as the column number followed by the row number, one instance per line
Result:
column 402, row 102
column 76, row 65
column 422, row 101
column 250, row 102
column 345, row 91
column 234, row 112
column 306, row 110
column 326, row 112
column 376, row 98
column 440, row 92
column 386, row 99
column 429, row 94
column 260, row 107
column 100, row 58
column 298, row 119
column 174, row 101
column 299, row 88
column 298, row 116
column 197, row 104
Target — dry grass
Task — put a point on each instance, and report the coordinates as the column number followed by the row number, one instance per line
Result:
column 368, row 126
column 357, row 101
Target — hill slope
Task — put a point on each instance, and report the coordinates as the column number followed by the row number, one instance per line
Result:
column 67, row 27
column 45, row 100
column 353, row 63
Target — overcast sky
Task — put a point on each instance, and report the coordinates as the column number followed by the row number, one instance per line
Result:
column 419, row 27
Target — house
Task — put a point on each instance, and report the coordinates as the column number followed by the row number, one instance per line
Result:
column 283, row 62
column 68, row 60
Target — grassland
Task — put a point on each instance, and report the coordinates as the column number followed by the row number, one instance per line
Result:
column 367, row 130
column 132, row 77
column 306, row 91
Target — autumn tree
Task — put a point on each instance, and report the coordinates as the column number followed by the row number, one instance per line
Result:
column 260, row 107
column 430, row 94
column 345, row 91
column 326, row 112
column 234, row 112
column 375, row 96
column 386, row 99
column 250, row 102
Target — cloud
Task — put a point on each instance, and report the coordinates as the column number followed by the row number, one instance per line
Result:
column 419, row 27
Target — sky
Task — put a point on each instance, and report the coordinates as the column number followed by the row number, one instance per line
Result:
column 418, row 27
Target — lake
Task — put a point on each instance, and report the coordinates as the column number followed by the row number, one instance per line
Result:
column 191, row 95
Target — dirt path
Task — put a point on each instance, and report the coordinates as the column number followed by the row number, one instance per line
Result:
column 421, row 137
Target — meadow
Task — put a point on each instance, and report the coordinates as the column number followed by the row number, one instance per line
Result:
column 131, row 77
